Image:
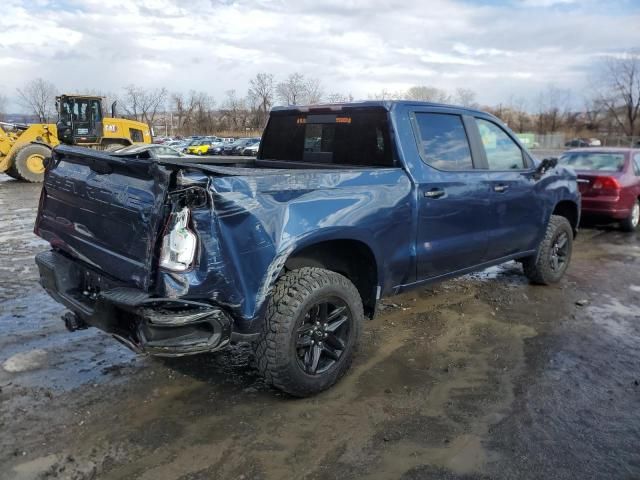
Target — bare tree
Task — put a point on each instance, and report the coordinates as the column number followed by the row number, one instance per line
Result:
column 594, row 113
column 260, row 95
column 553, row 107
column 234, row 111
column 39, row 96
column 142, row 104
column 297, row 89
column 620, row 93
column 427, row 94
column 3, row 107
column 385, row 94
column 339, row 98
column 292, row 90
column 465, row 97
column 521, row 118
column 193, row 113
column 313, row 91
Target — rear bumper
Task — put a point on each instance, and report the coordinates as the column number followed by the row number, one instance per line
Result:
column 157, row 326
column 604, row 207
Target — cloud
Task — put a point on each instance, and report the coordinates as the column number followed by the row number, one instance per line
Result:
column 353, row 46
column 546, row 3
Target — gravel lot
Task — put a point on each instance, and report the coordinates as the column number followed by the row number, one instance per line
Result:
column 481, row 377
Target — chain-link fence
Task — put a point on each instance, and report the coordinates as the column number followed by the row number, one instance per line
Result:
column 555, row 141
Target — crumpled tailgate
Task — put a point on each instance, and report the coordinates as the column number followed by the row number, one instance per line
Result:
column 104, row 210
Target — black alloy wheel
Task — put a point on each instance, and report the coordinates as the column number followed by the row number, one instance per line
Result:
column 323, row 335
column 559, row 252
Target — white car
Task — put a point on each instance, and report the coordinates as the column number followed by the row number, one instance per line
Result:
column 152, row 151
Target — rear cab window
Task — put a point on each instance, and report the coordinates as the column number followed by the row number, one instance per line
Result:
column 349, row 138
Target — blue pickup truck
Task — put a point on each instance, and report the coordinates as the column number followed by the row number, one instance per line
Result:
column 290, row 251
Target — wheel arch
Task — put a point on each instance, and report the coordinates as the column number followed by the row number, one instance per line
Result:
column 569, row 210
column 353, row 258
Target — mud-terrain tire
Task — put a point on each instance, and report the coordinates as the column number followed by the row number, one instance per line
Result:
column 630, row 224
column 554, row 253
column 293, row 334
column 28, row 163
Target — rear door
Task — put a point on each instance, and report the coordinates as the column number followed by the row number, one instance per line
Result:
column 104, row 211
column 516, row 212
column 452, row 196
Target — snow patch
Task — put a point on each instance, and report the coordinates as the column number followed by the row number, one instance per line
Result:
column 24, row 361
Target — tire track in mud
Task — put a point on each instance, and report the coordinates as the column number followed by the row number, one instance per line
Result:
column 430, row 373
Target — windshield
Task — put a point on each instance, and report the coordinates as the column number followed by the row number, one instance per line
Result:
column 597, row 161
column 80, row 110
column 358, row 137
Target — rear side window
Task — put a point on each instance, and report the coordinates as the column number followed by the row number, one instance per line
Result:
column 443, row 141
column 502, row 152
column 353, row 137
column 636, row 164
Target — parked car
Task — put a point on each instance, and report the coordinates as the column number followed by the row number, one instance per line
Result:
column 583, row 143
column 292, row 250
column 155, row 151
column 201, row 147
column 236, row 147
column 189, row 142
column 240, row 146
column 609, row 181
column 252, row 149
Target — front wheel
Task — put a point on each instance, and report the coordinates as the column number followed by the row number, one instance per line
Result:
column 554, row 253
column 311, row 330
column 28, row 163
column 630, row 224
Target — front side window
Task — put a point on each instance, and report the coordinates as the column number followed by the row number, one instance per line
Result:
column 502, row 152
column 443, row 141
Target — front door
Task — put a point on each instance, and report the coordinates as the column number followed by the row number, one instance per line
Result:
column 452, row 197
column 516, row 211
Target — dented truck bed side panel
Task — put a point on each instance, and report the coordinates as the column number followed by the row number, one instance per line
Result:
column 254, row 223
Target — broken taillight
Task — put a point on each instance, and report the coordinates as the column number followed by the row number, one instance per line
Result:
column 178, row 244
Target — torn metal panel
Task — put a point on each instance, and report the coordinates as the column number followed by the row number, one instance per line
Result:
column 256, row 222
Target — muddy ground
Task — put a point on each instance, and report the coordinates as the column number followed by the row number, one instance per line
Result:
column 481, row 377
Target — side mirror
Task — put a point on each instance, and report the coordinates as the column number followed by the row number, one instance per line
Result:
column 546, row 165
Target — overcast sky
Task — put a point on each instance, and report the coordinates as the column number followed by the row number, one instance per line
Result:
column 498, row 48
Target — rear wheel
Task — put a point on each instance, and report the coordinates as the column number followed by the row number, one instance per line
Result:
column 630, row 224
column 28, row 163
column 311, row 331
column 554, row 253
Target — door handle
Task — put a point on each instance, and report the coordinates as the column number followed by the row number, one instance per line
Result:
column 434, row 193
column 500, row 188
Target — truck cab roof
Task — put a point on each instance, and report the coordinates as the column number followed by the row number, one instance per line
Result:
column 388, row 105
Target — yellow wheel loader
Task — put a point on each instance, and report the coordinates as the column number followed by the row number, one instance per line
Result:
column 23, row 148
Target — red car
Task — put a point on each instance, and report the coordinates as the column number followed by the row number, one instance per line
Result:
column 609, row 181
